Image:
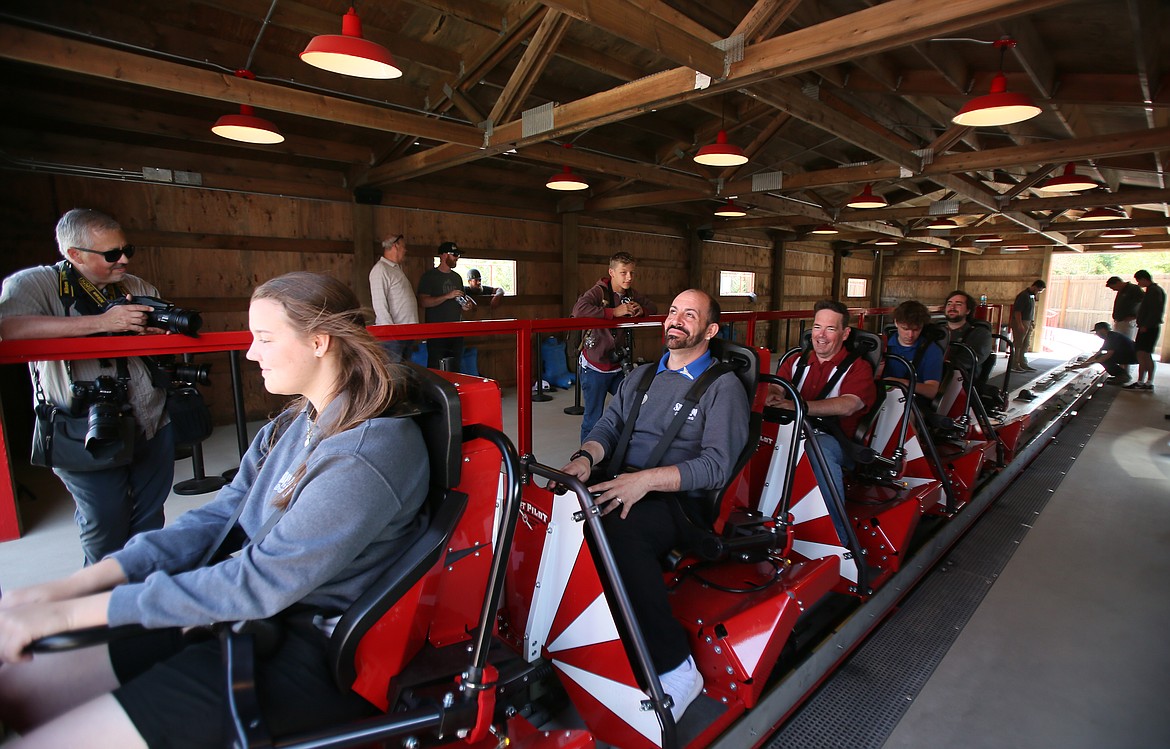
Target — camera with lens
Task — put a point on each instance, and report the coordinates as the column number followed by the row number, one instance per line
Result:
column 168, row 372
column 106, row 397
column 165, row 315
column 623, row 349
column 465, row 300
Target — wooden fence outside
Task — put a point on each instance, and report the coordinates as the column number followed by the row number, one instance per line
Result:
column 1079, row 302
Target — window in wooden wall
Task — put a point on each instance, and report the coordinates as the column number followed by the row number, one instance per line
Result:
column 737, row 283
column 498, row 273
column 856, row 288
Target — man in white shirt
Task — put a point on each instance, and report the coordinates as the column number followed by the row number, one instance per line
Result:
column 392, row 294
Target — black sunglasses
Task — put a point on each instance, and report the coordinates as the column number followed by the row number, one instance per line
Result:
column 111, row 256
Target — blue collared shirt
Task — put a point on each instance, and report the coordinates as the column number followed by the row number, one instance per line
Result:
column 691, row 371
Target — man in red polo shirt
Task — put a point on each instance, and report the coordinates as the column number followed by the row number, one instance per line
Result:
column 849, row 398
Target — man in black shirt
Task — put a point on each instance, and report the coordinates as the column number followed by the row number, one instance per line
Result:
column 1149, row 322
column 1125, row 306
column 1023, row 322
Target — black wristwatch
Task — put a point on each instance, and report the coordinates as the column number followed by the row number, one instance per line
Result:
column 582, row 454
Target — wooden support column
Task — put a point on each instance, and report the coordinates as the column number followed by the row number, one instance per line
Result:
column 956, row 268
column 1041, row 302
column 365, row 252
column 875, row 288
column 694, row 259
column 835, row 286
column 777, row 296
column 570, row 251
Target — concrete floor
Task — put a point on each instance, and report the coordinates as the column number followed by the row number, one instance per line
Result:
column 1068, row 649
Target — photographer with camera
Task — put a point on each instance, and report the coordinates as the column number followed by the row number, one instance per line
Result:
column 605, row 357
column 90, row 293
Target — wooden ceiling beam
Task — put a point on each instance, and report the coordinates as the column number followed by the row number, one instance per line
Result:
column 581, row 159
column 644, row 199
column 36, row 48
column 764, row 18
column 533, row 62
column 890, row 25
column 626, row 20
column 1097, row 89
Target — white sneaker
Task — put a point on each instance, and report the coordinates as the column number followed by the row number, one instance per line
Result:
column 683, row 684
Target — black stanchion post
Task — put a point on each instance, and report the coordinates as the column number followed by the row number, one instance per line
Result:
column 200, row 483
column 539, row 396
column 576, row 409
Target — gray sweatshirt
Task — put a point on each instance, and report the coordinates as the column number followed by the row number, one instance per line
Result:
column 358, row 498
column 708, row 444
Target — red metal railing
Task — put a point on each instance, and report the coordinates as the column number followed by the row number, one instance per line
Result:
column 523, row 332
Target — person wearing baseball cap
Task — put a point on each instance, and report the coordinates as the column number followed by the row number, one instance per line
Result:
column 1116, row 354
column 440, row 293
column 476, row 286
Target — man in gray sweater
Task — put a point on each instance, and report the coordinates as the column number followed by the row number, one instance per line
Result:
column 641, row 502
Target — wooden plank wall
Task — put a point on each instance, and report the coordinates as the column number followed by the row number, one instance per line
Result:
column 207, row 249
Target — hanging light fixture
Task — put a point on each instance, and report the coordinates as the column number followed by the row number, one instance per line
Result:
column 886, row 242
column 1128, row 246
column 1016, row 248
column 1070, row 181
column 730, row 210
column 349, row 53
column 565, row 180
column 942, row 223
column 866, row 199
column 721, row 153
column 825, row 229
column 928, row 251
column 1118, row 234
column 1102, row 214
column 1000, row 106
column 246, row 126
column 988, row 239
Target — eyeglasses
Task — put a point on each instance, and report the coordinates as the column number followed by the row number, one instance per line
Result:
column 111, row 256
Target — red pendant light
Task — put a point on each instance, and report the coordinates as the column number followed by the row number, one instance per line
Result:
column 730, row 210
column 350, row 54
column 1070, row 181
column 1102, row 214
column 866, row 199
column 1118, row 233
column 565, row 180
column 246, row 126
column 989, row 239
column 1000, row 106
column 825, row 229
column 940, row 224
column 721, row 153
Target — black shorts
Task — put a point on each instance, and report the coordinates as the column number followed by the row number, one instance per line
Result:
column 173, row 687
column 1144, row 340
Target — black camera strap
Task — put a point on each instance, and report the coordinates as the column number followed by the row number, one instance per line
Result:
column 91, row 300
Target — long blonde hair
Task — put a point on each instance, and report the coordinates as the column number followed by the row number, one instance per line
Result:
column 319, row 304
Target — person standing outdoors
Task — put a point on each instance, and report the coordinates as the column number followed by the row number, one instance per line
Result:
column 1023, row 323
column 1149, row 325
column 391, row 292
column 1125, row 306
column 69, row 299
column 440, row 292
column 600, row 364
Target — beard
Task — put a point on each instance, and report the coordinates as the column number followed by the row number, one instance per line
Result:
column 686, row 340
